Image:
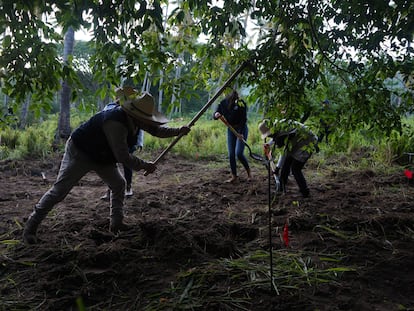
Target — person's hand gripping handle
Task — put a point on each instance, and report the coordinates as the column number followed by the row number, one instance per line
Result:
column 150, row 167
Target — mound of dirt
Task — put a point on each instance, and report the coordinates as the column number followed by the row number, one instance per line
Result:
column 198, row 243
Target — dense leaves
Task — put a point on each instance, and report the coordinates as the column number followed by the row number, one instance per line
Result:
column 28, row 63
column 300, row 49
column 310, row 39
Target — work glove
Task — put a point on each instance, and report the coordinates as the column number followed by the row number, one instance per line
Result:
column 184, row 130
column 280, row 141
column 149, row 168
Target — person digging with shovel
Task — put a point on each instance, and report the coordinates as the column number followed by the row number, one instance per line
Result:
column 127, row 171
column 234, row 111
column 98, row 145
column 299, row 143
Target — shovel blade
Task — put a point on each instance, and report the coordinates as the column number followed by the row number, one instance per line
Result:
column 257, row 157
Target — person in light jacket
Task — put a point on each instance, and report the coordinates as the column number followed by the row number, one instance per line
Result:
column 299, row 143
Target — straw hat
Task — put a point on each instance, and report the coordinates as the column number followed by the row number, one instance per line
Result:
column 263, row 128
column 139, row 106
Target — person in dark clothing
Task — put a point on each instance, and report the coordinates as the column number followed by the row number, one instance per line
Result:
column 235, row 111
column 299, row 143
column 326, row 121
column 98, row 145
column 127, row 171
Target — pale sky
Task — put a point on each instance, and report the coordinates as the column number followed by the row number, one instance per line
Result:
column 82, row 35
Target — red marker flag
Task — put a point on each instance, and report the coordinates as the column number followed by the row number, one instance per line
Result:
column 286, row 235
column 408, row 174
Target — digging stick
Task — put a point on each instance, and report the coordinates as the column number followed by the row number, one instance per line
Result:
column 269, row 201
column 206, row 106
column 272, row 165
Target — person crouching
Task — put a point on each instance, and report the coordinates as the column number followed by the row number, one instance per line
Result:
column 299, row 143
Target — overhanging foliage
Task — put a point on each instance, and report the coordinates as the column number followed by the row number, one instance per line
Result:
column 298, row 47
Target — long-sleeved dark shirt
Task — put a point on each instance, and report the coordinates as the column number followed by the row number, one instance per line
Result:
column 236, row 115
column 107, row 137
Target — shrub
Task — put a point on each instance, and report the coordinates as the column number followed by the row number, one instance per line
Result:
column 35, row 142
column 9, row 138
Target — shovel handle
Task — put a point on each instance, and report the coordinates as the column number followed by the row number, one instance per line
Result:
column 239, row 136
column 224, row 120
column 206, row 106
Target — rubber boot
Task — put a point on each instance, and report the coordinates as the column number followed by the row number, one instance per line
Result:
column 128, row 191
column 116, row 223
column 30, row 229
column 305, row 192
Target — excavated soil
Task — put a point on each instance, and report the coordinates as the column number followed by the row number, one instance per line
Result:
column 197, row 243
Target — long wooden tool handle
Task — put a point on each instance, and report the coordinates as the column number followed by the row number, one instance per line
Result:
column 222, row 118
column 240, row 136
column 206, row 106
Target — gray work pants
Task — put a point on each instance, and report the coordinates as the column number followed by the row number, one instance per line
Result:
column 75, row 164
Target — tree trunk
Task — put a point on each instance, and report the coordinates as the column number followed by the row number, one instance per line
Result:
column 64, row 130
column 161, row 82
column 24, row 112
column 177, row 88
column 160, row 90
column 146, row 84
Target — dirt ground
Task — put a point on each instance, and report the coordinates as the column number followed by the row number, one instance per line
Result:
column 197, row 243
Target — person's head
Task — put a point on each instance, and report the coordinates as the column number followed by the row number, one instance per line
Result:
column 278, row 130
column 232, row 97
column 264, row 128
column 140, row 107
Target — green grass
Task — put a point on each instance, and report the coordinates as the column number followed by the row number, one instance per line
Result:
column 207, row 140
column 291, row 271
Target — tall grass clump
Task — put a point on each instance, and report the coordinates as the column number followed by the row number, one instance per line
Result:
column 9, row 138
column 254, row 138
column 207, row 139
column 35, row 142
column 393, row 148
column 367, row 147
column 8, row 141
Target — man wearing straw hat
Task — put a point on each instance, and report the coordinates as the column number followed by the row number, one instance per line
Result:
column 98, row 145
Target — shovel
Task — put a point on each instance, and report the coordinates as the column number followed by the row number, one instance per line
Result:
column 252, row 155
column 206, row 106
column 244, row 65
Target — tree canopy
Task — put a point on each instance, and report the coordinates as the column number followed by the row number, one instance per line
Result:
column 297, row 47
